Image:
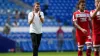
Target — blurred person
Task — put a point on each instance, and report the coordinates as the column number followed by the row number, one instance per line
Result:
column 82, row 22
column 16, row 18
column 15, row 23
column 22, row 15
column 7, row 26
column 35, row 19
column 60, row 39
column 16, row 15
column 95, row 15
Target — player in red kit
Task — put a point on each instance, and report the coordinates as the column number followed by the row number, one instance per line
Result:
column 81, row 20
column 95, row 15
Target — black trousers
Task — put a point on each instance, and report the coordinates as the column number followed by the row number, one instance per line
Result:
column 36, row 38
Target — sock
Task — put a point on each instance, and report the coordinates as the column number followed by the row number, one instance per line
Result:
column 80, row 53
column 96, row 53
column 88, row 52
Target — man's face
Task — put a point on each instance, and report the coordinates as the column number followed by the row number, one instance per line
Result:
column 82, row 6
column 37, row 7
column 97, row 2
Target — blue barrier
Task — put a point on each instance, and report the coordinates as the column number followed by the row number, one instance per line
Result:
column 6, row 44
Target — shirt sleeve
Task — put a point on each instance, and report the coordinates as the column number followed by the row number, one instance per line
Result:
column 74, row 17
column 29, row 17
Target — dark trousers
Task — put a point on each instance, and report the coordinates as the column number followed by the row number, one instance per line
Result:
column 59, row 45
column 36, row 38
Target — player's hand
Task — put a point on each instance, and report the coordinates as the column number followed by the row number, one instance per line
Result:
column 39, row 14
column 84, row 31
column 98, row 8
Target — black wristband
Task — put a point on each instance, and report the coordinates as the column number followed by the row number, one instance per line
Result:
column 40, row 16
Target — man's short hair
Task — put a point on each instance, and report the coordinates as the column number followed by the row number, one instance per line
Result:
column 36, row 3
column 81, row 1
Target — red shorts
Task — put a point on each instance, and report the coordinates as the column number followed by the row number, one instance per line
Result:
column 96, row 40
column 81, row 40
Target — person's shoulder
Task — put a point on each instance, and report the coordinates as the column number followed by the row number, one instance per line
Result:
column 92, row 11
column 41, row 12
column 30, row 12
column 76, row 12
column 87, row 11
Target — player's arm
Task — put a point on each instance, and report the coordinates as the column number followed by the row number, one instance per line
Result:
column 41, row 19
column 41, row 16
column 97, row 9
column 94, row 14
column 30, row 18
column 80, row 28
column 75, row 22
column 77, row 26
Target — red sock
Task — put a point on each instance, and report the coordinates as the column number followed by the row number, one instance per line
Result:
column 80, row 53
column 88, row 52
column 96, row 53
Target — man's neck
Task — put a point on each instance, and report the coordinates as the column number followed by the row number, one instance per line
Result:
column 81, row 10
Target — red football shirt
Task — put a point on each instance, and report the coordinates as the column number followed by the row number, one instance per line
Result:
column 95, row 22
column 82, row 19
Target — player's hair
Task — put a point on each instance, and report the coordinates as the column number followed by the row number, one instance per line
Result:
column 36, row 3
column 81, row 1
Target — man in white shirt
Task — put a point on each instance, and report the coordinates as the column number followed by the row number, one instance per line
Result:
column 35, row 19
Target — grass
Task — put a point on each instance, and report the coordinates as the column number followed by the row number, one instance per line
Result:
column 42, row 54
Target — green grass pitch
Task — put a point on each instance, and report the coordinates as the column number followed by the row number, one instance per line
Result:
column 43, row 54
